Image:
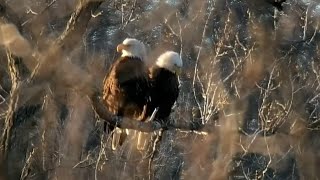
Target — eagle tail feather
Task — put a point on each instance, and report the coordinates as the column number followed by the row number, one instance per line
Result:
column 118, row 138
column 142, row 141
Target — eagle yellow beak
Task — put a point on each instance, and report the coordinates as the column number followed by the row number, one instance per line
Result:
column 178, row 70
column 121, row 47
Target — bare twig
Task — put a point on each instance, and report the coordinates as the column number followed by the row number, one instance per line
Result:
column 305, row 27
column 130, row 16
column 156, row 142
column 2, row 99
column 39, row 14
column 26, row 168
column 195, row 73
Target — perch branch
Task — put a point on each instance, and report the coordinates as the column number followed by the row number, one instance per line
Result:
column 150, row 126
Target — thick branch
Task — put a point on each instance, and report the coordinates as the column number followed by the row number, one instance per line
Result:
column 127, row 123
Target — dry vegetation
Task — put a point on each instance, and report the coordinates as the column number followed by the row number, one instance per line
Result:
column 249, row 105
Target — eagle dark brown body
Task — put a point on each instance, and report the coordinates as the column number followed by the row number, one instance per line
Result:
column 126, row 88
column 164, row 92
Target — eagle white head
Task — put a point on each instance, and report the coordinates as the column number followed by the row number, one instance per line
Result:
column 132, row 48
column 171, row 61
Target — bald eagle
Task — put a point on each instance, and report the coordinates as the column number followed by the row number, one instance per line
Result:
column 165, row 84
column 126, row 86
column 164, row 88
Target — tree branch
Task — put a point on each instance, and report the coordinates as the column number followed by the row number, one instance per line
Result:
column 150, row 126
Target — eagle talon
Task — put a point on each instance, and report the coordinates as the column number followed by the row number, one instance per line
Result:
column 156, row 125
column 116, row 138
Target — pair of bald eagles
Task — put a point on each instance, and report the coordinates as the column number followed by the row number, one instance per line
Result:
column 133, row 90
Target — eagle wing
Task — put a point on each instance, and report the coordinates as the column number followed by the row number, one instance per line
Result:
column 112, row 97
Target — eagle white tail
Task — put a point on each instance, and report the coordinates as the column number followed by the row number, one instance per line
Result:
column 116, row 136
column 142, row 136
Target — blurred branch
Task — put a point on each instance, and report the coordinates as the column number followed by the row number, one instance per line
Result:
column 77, row 23
column 9, row 15
column 74, row 30
column 46, row 62
column 14, row 98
